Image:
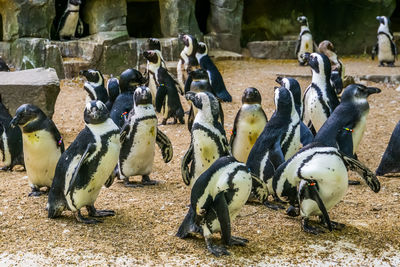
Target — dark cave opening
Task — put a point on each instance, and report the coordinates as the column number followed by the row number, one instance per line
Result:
column 1, row 28
column 143, row 19
column 202, row 11
column 395, row 18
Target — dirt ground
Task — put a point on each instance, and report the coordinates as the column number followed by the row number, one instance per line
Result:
column 143, row 230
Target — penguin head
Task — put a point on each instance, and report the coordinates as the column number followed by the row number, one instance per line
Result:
column 283, row 101
column 142, row 96
column 55, row 206
column 130, row 79
column 153, row 56
column 93, row 76
column 25, row 114
column 113, row 88
column 95, row 112
column 251, row 96
column 202, row 48
column 358, row 93
column 383, row 20
column 293, row 86
column 190, row 42
column 326, row 46
column 198, row 74
column 319, row 63
column 206, row 102
column 153, row 44
column 75, row 2
column 302, row 20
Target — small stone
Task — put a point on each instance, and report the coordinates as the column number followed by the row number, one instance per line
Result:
column 377, row 208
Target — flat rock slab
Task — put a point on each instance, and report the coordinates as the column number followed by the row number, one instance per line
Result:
column 272, row 49
column 35, row 86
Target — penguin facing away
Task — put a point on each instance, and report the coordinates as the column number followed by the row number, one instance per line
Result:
column 95, row 85
column 249, row 122
column 42, row 146
column 385, row 47
column 139, row 134
column 208, row 139
column 305, row 42
column 86, row 166
column 215, row 77
column 70, row 21
column 390, row 162
column 188, row 53
column 113, row 91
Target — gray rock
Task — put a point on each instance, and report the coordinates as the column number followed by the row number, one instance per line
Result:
column 272, row 49
column 37, row 86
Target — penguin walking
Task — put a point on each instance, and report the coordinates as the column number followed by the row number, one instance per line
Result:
column 113, row 91
column 140, row 133
column 164, row 89
column 70, row 22
column 320, row 99
column 293, row 86
column 249, row 122
column 216, row 199
column 42, row 146
column 86, row 166
column 305, row 42
column 390, row 162
column 215, row 77
column 95, row 85
column 385, row 48
column 187, row 57
column 279, row 140
column 208, row 139
column 10, row 141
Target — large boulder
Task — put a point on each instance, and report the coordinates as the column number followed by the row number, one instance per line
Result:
column 36, row 86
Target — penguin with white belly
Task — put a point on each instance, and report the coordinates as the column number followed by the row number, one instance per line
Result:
column 140, row 134
column 320, row 99
column 86, row 166
column 217, row 197
column 187, row 55
column 249, row 122
column 385, row 48
column 305, row 42
column 95, row 85
column 208, row 139
column 70, row 21
column 279, row 140
column 42, row 146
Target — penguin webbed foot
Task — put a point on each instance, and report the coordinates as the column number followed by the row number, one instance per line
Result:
column 216, row 250
column 93, row 212
column 127, row 183
column 238, row 241
column 293, row 211
column 6, row 168
column 36, row 192
column 84, row 220
column 309, row 229
column 147, row 181
column 335, row 225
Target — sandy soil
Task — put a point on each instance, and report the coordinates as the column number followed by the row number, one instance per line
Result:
column 142, row 232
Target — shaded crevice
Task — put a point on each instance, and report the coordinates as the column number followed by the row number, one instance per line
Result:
column 395, row 18
column 202, row 12
column 1, row 28
column 143, row 19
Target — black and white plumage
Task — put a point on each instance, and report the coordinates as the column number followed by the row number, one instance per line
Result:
column 187, row 57
column 70, row 23
column 390, row 162
column 164, row 89
column 279, row 140
column 86, row 166
column 249, row 122
column 94, row 85
column 10, row 141
column 42, row 146
column 215, row 77
column 385, row 47
column 320, row 99
column 113, row 91
column 3, row 65
column 293, row 86
column 216, row 199
column 305, row 42
column 140, row 134
column 208, row 139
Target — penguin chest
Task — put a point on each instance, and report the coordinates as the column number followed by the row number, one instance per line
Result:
column 153, row 88
column 314, row 108
column 6, row 155
column 291, row 143
column 358, row 132
column 249, row 127
column 141, row 154
column 385, row 50
column 306, row 45
column 69, row 27
column 41, row 155
column 165, row 108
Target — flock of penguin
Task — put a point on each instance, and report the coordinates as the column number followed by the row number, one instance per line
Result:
column 300, row 156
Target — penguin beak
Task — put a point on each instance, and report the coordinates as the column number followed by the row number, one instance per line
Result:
column 373, row 90
column 15, row 121
column 191, row 96
column 306, row 57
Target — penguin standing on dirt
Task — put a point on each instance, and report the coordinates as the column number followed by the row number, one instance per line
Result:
column 140, row 133
column 217, row 197
column 385, row 48
column 187, row 55
column 216, row 80
column 249, row 122
column 208, row 141
column 390, row 162
column 42, row 146
column 70, row 22
column 305, row 42
column 166, row 91
column 293, row 86
column 113, row 91
column 128, row 81
column 320, row 99
column 86, row 166
column 95, row 85
column 10, row 141
column 279, row 140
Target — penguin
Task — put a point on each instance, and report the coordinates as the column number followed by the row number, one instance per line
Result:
column 337, row 68
column 305, row 42
column 3, row 65
column 192, row 66
column 208, row 139
column 390, row 159
column 86, row 166
column 385, row 48
column 279, row 140
column 10, row 141
column 113, row 91
column 164, row 89
column 128, row 81
column 188, row 53
column 293, row 86
column 215, row 77
column 42, row 146
column 216, row 199
column 319, row 99
column 154, row 44
column 95, row 85
column 249, row 122
column 140, row 133
column 70, row 21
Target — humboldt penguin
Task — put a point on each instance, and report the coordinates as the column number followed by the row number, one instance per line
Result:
column 70, row 22
column 305, row 42
column 187, row 55
column 385, row 48
column 95, row 85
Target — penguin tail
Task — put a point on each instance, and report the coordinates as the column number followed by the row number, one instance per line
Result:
column 188, row 225
column 369, row 177
column 224, row 96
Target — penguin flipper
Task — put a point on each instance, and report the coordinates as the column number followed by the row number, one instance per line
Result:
column 297, row 47
column 57, row 136
column 306, row 135
column 165, row 145
column 276, row 155
column 363, row 171
column 345, row 142
column 187, row 158
column 124, row 131
column 160, row 97
column 221, row 207
column 190, row 118
column 221, row 113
